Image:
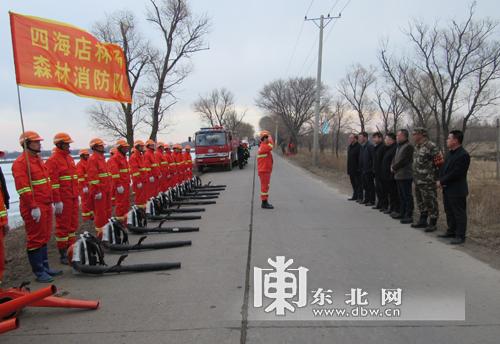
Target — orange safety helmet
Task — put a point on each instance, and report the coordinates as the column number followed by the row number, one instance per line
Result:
column 62, row 137
column 166, row 146
column 138, row 143
column 187, row 147
column 96, row 142
column 177, row 146
column 113, row 151
column 161, row 144
column 264, row 133
column 83, row 152
column 122, row 143
column 150, row 142
column 29, row 136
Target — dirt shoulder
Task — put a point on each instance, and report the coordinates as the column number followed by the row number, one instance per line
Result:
column 483, row 240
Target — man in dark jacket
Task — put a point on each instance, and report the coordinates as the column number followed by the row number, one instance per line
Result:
column 353, row 167
column 366, row 167
column 453, row 181
column 389, row 188
column 378, row 154
column 3, row 184
column 402, row 168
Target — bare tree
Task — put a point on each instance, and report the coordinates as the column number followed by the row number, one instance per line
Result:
column 123, row 120
column 215, row 107
column 182, row 35
column 461, row 63
column 355, row 88
column 293, row 101
column 392, row 107
column 340, row 123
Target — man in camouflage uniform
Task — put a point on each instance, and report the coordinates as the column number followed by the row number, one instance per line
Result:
column 425, row 174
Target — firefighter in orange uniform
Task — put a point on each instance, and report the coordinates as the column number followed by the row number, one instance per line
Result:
column 171, row 166
column 4, row 225
column 151, row 162
column 112, row 153
column 100, row 185
column 164, row 169
column 139, row 174
column 179, row 163
column 83, row 185
column 119, row 169
column 265, row 167
column 35, row 203
column 189, row 162
column 64, row 178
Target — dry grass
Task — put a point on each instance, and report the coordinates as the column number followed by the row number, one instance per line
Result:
column 483, row 205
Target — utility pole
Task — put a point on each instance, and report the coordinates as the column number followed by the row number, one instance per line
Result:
column 498, row 148
column 323, row 22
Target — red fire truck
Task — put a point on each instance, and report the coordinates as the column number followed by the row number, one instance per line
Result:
column 215, row 147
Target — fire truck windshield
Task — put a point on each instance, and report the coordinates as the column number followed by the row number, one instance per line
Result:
column 211, row 139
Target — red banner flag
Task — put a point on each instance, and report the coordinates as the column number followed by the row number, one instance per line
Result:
column 58, row 56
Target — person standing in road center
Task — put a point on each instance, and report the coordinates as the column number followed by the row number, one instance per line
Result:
column 265, row 167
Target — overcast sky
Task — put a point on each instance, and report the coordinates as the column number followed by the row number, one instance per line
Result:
column 251, row 43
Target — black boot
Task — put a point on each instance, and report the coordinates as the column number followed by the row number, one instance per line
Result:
column 422, row 222
column 432, row 225
column 63, row 257
column 45, row 260
column 266, row 205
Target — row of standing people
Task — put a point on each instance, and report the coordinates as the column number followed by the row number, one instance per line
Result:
column 385, row 171
column 93, row 187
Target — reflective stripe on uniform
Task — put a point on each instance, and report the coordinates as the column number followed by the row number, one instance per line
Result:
column 81, row 179
column 94, row 182
column 65, row 177
column 115, row 176
column 261, row 155
column 124, row 170
column 62, row 238
column 3, row 213
column 56, row 186
column 105, row 174
column 90, row 213
column 39, row 181
column 24, row 190
column 136, row 174
column 264, row 193
column 154, row 165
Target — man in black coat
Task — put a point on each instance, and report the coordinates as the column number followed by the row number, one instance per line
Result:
column 366, row 167
column 353, row 167
column 3, row 184
column 389, row 187
column 453, row 181
column 378, row 154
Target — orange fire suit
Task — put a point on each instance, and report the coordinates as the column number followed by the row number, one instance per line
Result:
column 64, row 180
column 119, row 169
column 188, row 165
column 83, row 185
column 172, row 168
column 139, row 177
column 99, row 183
column 37, row 195
column 179, row 163
column 153, row 164
column 265, row 168
column 165, row 170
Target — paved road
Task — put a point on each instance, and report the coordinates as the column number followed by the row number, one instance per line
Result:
column 343, row 245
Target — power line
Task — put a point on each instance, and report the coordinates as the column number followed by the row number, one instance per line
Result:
column 298, row 38
column 333, row 6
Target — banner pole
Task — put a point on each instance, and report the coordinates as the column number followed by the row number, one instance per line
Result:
column 25, row 145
